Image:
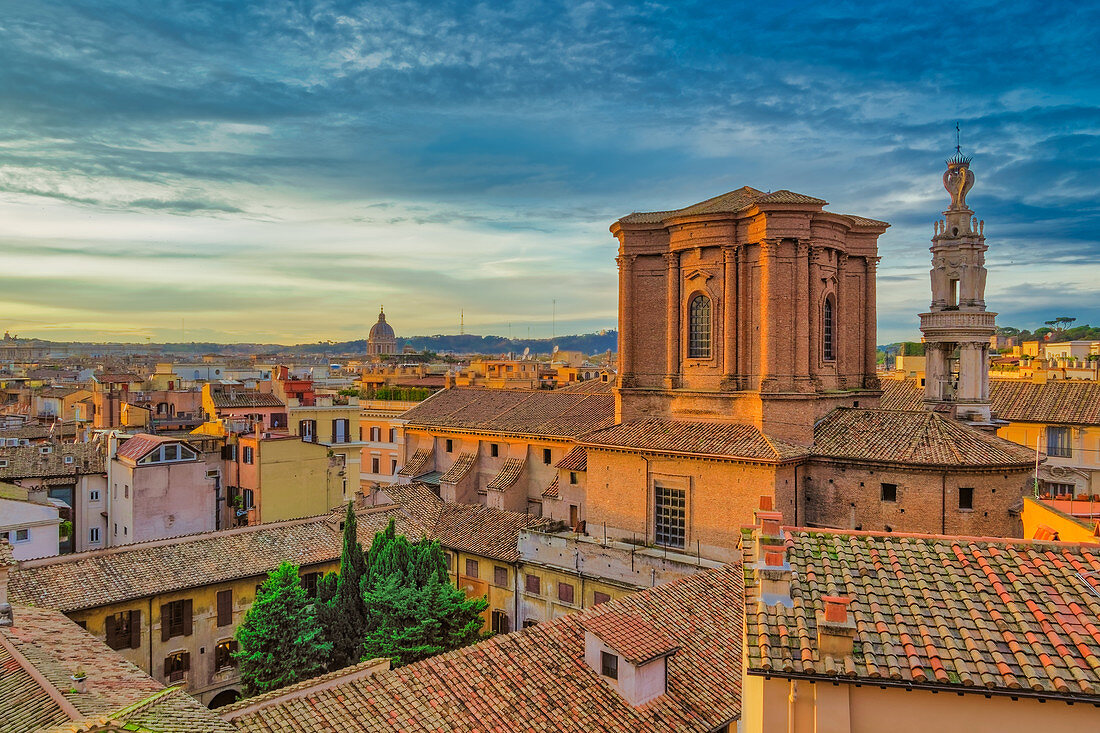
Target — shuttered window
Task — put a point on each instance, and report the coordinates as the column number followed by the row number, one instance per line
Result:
column 225, row 607
column 175, row 619
column 124, row 630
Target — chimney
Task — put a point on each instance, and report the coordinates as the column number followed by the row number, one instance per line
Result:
column 775, row 576
column 836, row 629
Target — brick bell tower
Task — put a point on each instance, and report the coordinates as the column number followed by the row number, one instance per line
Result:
column 957, row 328
column 751, row 307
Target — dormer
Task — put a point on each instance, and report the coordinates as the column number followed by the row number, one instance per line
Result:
column 629, row 653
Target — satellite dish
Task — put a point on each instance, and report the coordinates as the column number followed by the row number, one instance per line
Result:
column 526, row 351
column 555, row 350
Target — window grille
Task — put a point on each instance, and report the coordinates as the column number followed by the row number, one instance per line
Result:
column 670, row 516
column 699, row 328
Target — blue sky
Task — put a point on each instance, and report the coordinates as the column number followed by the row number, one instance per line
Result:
column 273, row 171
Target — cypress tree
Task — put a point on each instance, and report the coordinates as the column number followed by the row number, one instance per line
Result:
column 280, row 642
column 341, row 610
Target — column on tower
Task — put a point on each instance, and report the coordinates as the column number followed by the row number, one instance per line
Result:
column 870, row 348
column 729, row 315
column 672, row 335
column 626, row 344
column 802, row 352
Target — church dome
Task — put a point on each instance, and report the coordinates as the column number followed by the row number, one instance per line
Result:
column 381, row 330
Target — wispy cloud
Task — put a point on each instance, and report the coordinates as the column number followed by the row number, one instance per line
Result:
column 287, row 166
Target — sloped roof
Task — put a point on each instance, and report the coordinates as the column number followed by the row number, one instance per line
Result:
column 901, row 394
column 459, row 468
column 1068, row 402
column 27, row 461
column 726, row 203
column 631, row 635
column 537, row 678
column 912, row 437
column 973, row 614
column 575, row 460
column 469, row 528
column 244, row 398
column 141, row 445
column 54, row 647
column 554, row 413
column 509, row 473
column 731, row 440
column 100, row 577
column 418, row 464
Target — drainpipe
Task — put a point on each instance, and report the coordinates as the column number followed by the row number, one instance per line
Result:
column 792, row 698
column 943, row 504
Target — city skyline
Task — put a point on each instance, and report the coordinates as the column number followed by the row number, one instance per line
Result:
column 273, row 174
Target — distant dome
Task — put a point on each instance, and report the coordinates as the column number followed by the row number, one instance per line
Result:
column 382, row 340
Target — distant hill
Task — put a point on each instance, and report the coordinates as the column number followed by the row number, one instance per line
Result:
column 588, row 343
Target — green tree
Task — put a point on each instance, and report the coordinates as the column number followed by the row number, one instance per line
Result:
column 280, row 642
column 413, row 612
column 341, row 610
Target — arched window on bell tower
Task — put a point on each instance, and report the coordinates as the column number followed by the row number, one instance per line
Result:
column 828, row 329
column 699, row 328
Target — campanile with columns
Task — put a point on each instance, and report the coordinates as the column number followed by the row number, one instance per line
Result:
column 957, row 328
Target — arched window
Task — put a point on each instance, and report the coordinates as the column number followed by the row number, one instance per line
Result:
column 699, row 328
column 828, row 329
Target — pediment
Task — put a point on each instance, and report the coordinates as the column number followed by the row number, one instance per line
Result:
column 698, row 274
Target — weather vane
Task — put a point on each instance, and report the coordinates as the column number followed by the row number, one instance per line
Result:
column 958, row 138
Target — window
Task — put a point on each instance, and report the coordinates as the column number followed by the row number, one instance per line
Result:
column 393, row 466
column 1058, row 443
column 533, row 584
column 68, row 459
column 93, row 535
column 376, row 434
column 225, row 607
column 699, row 328
column 309, row 582
column 450, row 445
column 529, row 622
column 565, row 592
column 670, row 517
column 374, row 465
column 4, row 463
column 247, row 454
column 1067, row 490
column 471, row 568
column 93, row 495
column 22, row 535
column 450, row 560
column 546, row 457
column 889, row 492
column 393, row 435
column 828, row 323
column 340, row 430
column 573, row 477
column 609, row 665
column 223, row 655
column 966, row 498
column 176, row 666
column 126, row 491
column 598, row 598
column 175, row 619
column 501, row 625
column 123, row 630
column 308, row 430
column 494, row 450
column 500, row 576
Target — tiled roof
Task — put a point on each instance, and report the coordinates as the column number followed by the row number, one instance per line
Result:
column 537, row 679
column 912, row 437
column 140, row 445
column 575, row 460
column 116, row 378
column 459, row 468
column 973, row 614
column 232, row 398
column 1069, row 402
column 727, row 203
column 27, row 461
column 37, row 432
column 418, row 464
column 862, row 221
column 588, row 386
column 1066, row 402
column 705, row 438
column 469, row 528
column 901, row 394
column 100, row 577
column 554, row 413
column 552, row 491
column 56, row 392
column 6, row 556
column 508, row 475
column 55, row 647
column 631, row 635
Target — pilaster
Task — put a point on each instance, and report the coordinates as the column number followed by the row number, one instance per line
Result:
column 674, row 321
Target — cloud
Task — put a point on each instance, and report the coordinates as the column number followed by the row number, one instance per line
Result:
column 317, row 156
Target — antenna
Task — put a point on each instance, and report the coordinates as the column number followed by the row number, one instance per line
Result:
column 461, row 322
column 554, row 320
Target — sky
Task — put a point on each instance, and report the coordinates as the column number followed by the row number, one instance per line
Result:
column 275, row 171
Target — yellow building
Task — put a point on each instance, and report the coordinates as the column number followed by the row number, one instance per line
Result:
column 335, row 426
column 1064, row 519
column 279, row 476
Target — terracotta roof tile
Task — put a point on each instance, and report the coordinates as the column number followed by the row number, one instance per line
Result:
column 533, row 412
column 913, row 437
column 631, row 635
column 27, row 461
column 419, row 464
column 901, row 394
column 509, row 473
column 537, row 679
column 552, row 491
column 459, row 468
column 1069, row 402
column 244, row 398
column 140, row 445
column 100, row 577
column 677, row 436
column 975, row 614
column 727, row 203
column 575, row 460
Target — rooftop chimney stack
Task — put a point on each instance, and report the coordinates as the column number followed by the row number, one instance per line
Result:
column 836, row 629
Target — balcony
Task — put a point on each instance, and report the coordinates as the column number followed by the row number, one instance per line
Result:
column 958, row 325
